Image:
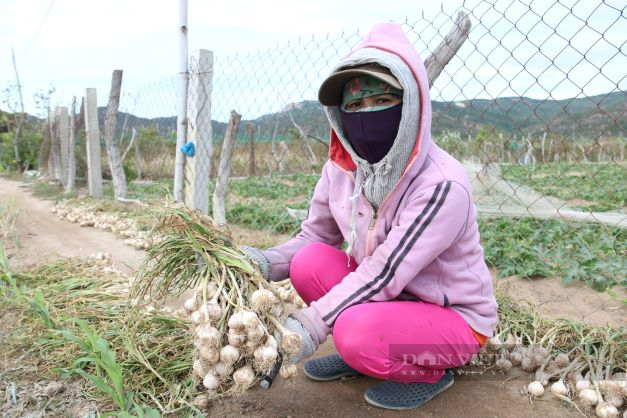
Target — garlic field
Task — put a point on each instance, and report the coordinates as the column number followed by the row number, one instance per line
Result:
column 190, row 329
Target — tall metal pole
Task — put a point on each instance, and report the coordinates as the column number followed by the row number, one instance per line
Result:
column 181, row 120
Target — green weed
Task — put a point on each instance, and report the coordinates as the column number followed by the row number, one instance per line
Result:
column 529, row 247
column 603, row 186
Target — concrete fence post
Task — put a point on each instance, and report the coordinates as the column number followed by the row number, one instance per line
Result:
column 64, row 142
column 92, row 141
column 198, row 166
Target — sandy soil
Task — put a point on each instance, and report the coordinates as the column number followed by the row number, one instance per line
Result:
column 575, row 302
column 43, row 237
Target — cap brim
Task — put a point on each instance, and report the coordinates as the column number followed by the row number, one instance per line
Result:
column 332, row 89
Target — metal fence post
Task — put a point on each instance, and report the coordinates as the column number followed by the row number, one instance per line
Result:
column 92, row 141
column 198, row 167
column 181, row 120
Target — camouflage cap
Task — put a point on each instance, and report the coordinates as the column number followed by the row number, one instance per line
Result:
column 331, row 92
column 366, row 86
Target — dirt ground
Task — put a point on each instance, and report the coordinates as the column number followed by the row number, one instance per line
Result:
column 43, row 237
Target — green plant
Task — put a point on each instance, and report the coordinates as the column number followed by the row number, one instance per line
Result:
column 107, row 375
column 529, row 247
column 592, row 186
column 28, row 142
column 135, row 362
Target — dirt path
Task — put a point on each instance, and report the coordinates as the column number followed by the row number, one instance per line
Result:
column 44, row 237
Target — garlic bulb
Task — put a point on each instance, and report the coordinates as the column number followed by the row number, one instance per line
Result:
column 290, row 342
column 562, row 360
column 494, row 343
column 214, row 310
column 287, row 371
column 269, row 354
column 198, row 368
column 535, row 388
column 515, row 357
column 559, row 388
column 211, row 381
column 201, row 401
column 527, row 364
column 256, row 333
column 543, row 378
column 249, row 319
column 244, row 376
column 510, row 342
column 235, row 322
column 588, row 397
column 195, row 317
column 262, row 300
column 504, row 365
column 616, row 400
column 236, row 339
column 191, row 304
column 582, row 383
column 223, row 370
column 229, row 354
column 208, row 335
column 606, row 410
column 209, row 354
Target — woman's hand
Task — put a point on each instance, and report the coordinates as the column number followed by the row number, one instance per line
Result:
column 259, row 259
column 307, row 344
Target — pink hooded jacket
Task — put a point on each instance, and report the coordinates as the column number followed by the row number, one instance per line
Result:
column 422, row 241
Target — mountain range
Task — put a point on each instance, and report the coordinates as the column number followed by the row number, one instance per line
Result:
column 592, row 116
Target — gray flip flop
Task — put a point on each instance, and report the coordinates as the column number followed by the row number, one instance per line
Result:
column 328, row 368
column 401, row 396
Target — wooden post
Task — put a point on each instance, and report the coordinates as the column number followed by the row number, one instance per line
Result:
column 113, row 150
column 138, row 161
column 181, row 119
column 224, row 169
column 283, row 153
column 306, row 147
column 92, row 142
column 64, row 142
column 44, row 149
column 198, row 167
column 447, row 49
column 55, row 149
column 251, row 149
column 274, row 159
column 71, row 167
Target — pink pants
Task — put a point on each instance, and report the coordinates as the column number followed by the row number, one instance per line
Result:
column 405, row 341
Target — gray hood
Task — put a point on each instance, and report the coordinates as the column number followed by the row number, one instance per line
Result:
column 377, row 180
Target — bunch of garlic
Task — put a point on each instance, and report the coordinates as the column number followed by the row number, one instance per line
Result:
column 235, row 346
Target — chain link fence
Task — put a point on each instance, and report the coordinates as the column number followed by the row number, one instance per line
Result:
column 534, row 91
column 533, row 103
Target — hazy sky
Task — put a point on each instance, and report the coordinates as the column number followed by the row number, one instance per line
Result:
column 80, row 42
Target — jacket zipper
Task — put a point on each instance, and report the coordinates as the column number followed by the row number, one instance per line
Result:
column 375, row 213
column 371, row 230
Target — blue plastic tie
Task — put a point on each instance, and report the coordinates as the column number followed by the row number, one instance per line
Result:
column 188, row 149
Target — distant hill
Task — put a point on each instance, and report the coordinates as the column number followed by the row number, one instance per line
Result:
column 582, row 117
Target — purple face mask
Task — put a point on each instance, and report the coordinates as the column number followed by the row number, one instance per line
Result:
column 372, row 133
